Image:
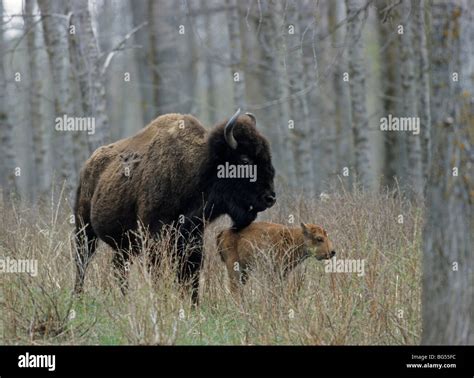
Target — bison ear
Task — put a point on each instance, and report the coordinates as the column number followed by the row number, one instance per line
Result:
column 229, row 130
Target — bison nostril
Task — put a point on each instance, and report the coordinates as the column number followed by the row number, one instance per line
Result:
column 333, row 253
column 269, row 200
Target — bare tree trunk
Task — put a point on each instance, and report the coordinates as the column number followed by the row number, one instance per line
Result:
column 281, row 48
column 343, row 136
column 301, row 133
column 357, row 83
column 448, row 280
column 321, row 133
column 164, row 40
column 209, row 69
column 34, row 103
column 82, row 150
column 6, row 128
column 143, row 55
column 423, row 88
column 238, row 77
column 390, row 77
column 270, row 82
column 188, row 54
column 55, row 27
column 409, row 90
column 91, row 80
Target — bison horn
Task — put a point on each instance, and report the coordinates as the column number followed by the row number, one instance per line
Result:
column 229, row 131
column 252, row 116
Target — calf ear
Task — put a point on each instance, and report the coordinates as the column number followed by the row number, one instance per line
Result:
column 305, row 229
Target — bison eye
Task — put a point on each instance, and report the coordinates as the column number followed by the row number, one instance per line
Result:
column 244, row 159
column 319, row 239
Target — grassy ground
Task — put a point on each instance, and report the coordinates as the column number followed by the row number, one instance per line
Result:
column 310, row 307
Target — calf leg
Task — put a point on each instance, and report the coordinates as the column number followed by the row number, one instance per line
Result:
column 238, row 276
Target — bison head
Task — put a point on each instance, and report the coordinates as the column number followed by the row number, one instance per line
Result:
column 242, row 170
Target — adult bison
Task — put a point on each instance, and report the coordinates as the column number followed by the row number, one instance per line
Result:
column 167, row 174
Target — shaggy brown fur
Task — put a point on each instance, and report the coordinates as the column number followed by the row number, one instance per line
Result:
column 288, row 247
column 165, row 171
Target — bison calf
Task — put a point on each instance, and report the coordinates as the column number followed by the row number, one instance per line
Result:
column 287, row 246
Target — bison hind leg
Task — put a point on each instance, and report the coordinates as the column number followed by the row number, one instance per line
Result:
column 127, row 246
column 86, row 245
column 121, row 263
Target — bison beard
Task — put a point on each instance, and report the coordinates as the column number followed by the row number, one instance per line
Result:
column 167, row 170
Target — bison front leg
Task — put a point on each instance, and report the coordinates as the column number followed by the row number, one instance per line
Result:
column 190, row 257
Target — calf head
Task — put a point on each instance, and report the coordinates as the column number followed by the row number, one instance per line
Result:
column 316, row 242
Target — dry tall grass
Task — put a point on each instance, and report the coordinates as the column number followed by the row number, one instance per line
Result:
column 310, row 307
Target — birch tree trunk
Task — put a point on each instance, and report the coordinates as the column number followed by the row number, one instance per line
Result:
column 322, row 134
column 390, row 77
column 357, row 84
column 91, row 79
column 209, row 68
column 140, row 12
column 163, row 43
column 448, row 279
column 188, row 55
column 80, row 140
column 55, row 27
column 270, row 81
column 281, row 30
column 423, row 87
column 301, row 134
column 409, row 101
column 6, row 128
column 343, row 138
column 34, row 103
column 238, row 77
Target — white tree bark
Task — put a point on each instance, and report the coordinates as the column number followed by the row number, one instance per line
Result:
column 211, row 90
column 141, row 11
column 165, row 56
column 91, row 80
column 448, row 279
column 409, row 99
column 6, row 128
column 7, row 162
column 343, row 138
column 82, row 149
column 424, row 87
column 270, row 81
column 357, row 83
column 34, row 93
column 281, row 30
column 238, row 76
column 55, row 28
column 322, row 134
column 299, row 114
column 390, row 78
